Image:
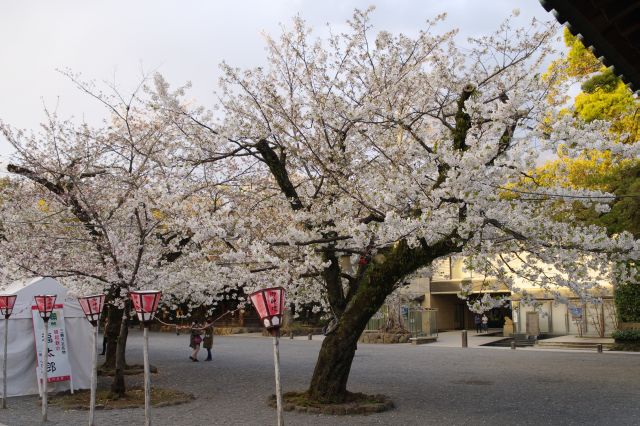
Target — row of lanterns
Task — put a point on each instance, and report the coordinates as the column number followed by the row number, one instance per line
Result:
column 268, row 302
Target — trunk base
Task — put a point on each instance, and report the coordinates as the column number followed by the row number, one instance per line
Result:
column 354, row 403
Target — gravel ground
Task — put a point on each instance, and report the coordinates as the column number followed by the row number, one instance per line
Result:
column 429, row 385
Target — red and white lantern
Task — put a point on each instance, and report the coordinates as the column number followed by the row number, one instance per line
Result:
column 145, row 303
column 7, row 301
column 45, row 303
column 269, row 303
column 92, row 307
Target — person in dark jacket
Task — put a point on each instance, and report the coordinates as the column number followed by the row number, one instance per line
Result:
column 478, row 322
column 207, row 343
column 195, row 340
column 104, row 337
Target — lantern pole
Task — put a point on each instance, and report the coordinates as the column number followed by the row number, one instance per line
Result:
column 276, row 361
column 94, row 377
column 45, row 362
column 6, row 308
column 147, row 379
column 92, row 308
column 146, row 312
column 4, row 362
column 269, row 304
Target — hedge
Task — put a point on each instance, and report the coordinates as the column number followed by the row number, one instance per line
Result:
column 626, row 335
column 627, row 297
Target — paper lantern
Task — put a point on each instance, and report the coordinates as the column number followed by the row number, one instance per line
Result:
column 45, row 303
column 7, row 301
column 145, row 303
column 269, row 303
column 92, row 307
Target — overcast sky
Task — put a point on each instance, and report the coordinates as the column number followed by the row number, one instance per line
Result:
column 184, row 40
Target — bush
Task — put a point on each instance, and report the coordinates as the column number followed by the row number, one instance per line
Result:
column 627, row 297
column 626, row 335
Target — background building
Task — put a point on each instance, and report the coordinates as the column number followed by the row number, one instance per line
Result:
column 546, row 316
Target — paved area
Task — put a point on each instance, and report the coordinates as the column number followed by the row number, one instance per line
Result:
column 429, row 384
column 576, row 339
column 453, row 339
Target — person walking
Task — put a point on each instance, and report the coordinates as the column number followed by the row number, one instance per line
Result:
column 478, row 322
column 195, row 340
column 485, row 323
column 104, row 337
column 207, row 342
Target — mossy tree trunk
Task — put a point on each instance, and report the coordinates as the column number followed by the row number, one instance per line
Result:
column 367, row 293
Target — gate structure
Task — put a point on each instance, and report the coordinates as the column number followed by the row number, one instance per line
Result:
column 422, row 322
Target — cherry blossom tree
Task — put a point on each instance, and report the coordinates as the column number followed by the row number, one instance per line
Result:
column 357, row 159
column 108, row 208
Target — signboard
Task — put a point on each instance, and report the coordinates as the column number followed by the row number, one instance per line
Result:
column 576, row 313
column 58, row 367
column 274, row 304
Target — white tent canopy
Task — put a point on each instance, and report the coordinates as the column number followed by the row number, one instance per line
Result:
column 21, row 358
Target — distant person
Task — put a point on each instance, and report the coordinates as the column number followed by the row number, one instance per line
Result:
column 104, row 337
column 485, row 323
column 207, row 342
column 195, row 340
column 478, row 322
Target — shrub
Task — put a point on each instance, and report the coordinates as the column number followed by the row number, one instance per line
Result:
column 626, row 335
column 627, row 297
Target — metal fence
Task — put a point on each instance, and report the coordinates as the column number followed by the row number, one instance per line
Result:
column 419, row 322
column 422, row 322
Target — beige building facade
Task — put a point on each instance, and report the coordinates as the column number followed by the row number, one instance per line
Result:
column 441, row 291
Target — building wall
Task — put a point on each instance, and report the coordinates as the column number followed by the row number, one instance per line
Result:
column 553, row 318
column 446, row 306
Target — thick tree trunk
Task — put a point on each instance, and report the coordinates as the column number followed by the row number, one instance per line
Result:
column 118, row 385
column 111, row 333
column 329, row 380
column 330, row 376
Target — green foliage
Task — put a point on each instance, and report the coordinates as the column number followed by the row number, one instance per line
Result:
column 605, row 81
column 579, row 61
column 627, row 297
column 626, row 335
column 625, row 211
column 604, row 97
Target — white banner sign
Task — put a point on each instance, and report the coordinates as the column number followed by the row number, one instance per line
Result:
column 58, row 367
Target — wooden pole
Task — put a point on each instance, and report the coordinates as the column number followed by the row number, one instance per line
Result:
column 276, row 360
column 147, row 379
column 45, row 362
column 94, row 378
column 4, row 362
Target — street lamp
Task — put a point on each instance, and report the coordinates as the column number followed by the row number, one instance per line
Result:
column 269, row 303
column 145, row 304
column 92, row 307
column 45, row 303
column 6, row 308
